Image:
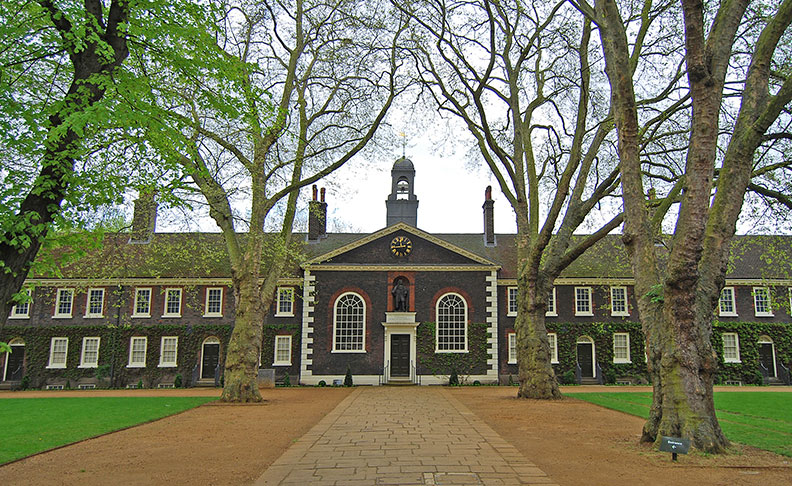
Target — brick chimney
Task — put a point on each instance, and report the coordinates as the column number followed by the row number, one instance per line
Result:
column 317, row 217
column 144, row 220
column 489, row 218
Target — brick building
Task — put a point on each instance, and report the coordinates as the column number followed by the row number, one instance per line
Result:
column 398, row 304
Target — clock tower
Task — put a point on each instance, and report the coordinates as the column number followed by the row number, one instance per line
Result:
column 402, row 204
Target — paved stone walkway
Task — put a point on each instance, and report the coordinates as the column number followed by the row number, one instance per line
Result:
column 401, row 436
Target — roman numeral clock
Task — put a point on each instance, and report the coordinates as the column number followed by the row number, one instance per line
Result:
column 400, row 246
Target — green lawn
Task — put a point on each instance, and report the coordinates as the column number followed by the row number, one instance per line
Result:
column 760, row 419
column 31, row 425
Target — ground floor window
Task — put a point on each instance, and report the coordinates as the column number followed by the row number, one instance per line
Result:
column 283, row 347
column 137, row 352
column 59, row 347
column 512, row 336
column 90, row 353
column 731, row 347
column 168, row 351
column 621, row 347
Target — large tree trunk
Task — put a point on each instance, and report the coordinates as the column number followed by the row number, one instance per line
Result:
column 536, row 375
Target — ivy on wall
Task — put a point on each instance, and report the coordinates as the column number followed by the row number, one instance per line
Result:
column 474, row 362
column 567, row 335
column 747, row 370
column 113, row 352
column 268, row 349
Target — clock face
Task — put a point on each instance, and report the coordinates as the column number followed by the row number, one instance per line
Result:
column 401, row 246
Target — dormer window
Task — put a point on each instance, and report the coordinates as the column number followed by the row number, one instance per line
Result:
column 402, row 189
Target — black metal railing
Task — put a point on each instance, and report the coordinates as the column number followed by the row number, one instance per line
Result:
column 414, row 376
column 195, row 374
column 217, row 375
column 578, row 374
column 384, row 377
column 600, row 376
column 783, row 374
column 15, row 375
column 765, row 373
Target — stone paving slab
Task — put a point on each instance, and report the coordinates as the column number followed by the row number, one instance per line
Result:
column 402, row 436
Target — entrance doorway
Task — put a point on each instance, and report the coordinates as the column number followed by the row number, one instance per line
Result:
column 14, row 361
column 767, row 355
column 210, row 358
column 400, row 355
column 585, row 356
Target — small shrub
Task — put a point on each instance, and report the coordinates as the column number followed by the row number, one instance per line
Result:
column 102, row 372
column 286, row 380
column 140, row 384
column 68, row 385
column 178, row 381
column 348, row 377
column 25, row 383
column 476, row 383
column 511, row 381
column 321, row 383
column 453, row 379
column 568, row 378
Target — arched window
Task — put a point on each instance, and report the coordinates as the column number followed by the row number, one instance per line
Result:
column 349, row 323
column 402, row 189
column 451, row 324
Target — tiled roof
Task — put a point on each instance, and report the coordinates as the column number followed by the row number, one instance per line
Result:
column 204, row 255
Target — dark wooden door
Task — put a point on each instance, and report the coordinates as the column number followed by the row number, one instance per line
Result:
column 13, row 370
column 400, row 355
column 585, row 359
column 766, row 357
column 211, row 357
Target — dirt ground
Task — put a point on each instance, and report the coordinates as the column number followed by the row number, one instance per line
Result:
column 576, row 443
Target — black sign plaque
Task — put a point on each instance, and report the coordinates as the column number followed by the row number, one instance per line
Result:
column 674, row 445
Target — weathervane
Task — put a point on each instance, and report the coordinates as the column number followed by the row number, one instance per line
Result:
column 404, row 144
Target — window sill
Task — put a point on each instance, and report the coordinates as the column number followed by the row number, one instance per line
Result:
column 451, row 351
column 171, row 316
column 511, row 314
column 622, row 361
column 62, row 316
column 85, row 367
column 167, row 365
column 284, row 315
column 136, row 366
column 212, row 315
column 553, row 362
column 281, row 364
column 93, row 316
column 358, row 351
column 732, row 361
column 141, row 316
column 511, row 362
column 19, row 317
column 620, row 314
column 551, row 314
column 764, row 314
column 56, row 367
column 584, row 314
column 727, row 314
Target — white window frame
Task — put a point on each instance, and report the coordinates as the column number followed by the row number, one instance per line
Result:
column 579, row 311
column 52, row 362
column 88, row 313
column 135, row 312
column 206, row 303
column 619, row 313
column 756, row 293
column 285, row 295
column 169, row 364
column 616, row 359
column 511, row 340
column 58, row 302
column 552, row 308
column 168, row 291
column 731, row 300
column 437, row 329
column 552, row 339
column 83, row 362
column 335, row 325
column 138, row 363
column 731, row 359
column 15, row 314
column 281, row 362
column 511, row 301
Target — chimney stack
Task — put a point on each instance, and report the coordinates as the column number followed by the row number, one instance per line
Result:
column 489, row 218
column 144, row 220
column 317, row 217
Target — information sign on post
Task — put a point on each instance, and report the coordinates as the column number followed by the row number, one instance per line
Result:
column 674, row 445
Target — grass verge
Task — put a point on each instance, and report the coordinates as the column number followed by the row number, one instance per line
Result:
column 761, row 419
column 32, row 425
